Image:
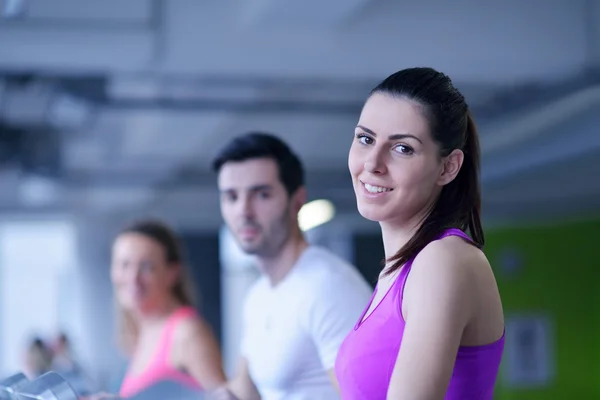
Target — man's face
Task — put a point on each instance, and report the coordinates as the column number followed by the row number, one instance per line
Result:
column 255, row 205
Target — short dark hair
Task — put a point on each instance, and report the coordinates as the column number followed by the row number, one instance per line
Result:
column 254, row 145
column 452, row 127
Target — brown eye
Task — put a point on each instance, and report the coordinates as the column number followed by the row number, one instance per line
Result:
column 364, row 139
column 403, row 149
column 231, row 197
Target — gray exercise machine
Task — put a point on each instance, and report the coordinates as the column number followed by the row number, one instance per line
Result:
column 52, row 386
column 11, row 385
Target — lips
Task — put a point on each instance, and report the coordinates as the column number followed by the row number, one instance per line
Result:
column 248, row 233
column 135, row 292
column 375, row 189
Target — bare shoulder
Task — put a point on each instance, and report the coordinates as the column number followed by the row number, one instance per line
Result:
column 451, row 268
column 191, row 328
column 465, row 287
column 450, row 256
column 195, row 347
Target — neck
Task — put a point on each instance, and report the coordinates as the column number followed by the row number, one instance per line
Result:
column 156, row 316
column 276, row 267
column 396, row 234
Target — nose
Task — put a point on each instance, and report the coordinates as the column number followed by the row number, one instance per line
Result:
column 375, row 163
column 245, row 207
column 137, row 277
column 132, row 274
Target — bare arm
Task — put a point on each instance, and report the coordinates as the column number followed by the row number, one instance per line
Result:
column 437, row 300
column 199, row 354
column 239, row 388
column 241, row 385
column 333, row 379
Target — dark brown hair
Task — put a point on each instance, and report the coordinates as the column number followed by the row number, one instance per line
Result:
column 254, row 145
column 452, row 127
column 181, row 291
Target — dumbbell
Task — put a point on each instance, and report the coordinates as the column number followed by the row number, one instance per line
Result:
column 49, row 386
column 11, row 385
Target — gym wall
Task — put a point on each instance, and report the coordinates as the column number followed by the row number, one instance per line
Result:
column 202, row 253
column 556, row 273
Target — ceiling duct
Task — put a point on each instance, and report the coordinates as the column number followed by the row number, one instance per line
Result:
column 35, row 151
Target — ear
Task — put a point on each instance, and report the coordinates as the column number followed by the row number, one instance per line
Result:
column 451, row 165
column 298, row 199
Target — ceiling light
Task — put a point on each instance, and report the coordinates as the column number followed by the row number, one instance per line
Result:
column 315, row 213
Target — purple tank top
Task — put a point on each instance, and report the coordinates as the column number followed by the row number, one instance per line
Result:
column 366, row 359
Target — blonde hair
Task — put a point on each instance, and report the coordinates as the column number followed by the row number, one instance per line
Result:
column 182, row 291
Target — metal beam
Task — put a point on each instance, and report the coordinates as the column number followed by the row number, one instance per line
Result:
column 189, row 179
column 75, row 49
column 305, row 12
column 238, row 106
column 510, row 132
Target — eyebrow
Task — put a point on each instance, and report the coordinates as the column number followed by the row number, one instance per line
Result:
column 256, row 188
column 395, row 136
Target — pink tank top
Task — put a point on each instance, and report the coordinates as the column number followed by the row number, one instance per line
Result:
column 367, row 357
column 160, row 369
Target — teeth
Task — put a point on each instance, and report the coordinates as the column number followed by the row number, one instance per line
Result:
column 376, row 189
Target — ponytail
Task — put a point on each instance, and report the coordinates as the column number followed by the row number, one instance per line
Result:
column 470, row 170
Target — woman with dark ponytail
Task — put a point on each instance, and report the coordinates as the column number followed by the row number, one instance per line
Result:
column 434, row 328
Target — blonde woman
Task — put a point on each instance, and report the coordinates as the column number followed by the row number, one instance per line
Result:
column 159, row 328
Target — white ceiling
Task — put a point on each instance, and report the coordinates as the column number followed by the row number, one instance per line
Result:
column 185, row 76
column 508, row 42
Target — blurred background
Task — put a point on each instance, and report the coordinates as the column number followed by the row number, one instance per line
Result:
column 112, row 110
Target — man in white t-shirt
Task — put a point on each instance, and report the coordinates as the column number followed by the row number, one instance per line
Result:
column 307, row 300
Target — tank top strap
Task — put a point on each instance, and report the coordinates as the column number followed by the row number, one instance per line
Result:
column 455, row 232
column 166, row 343
column 401, row 281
